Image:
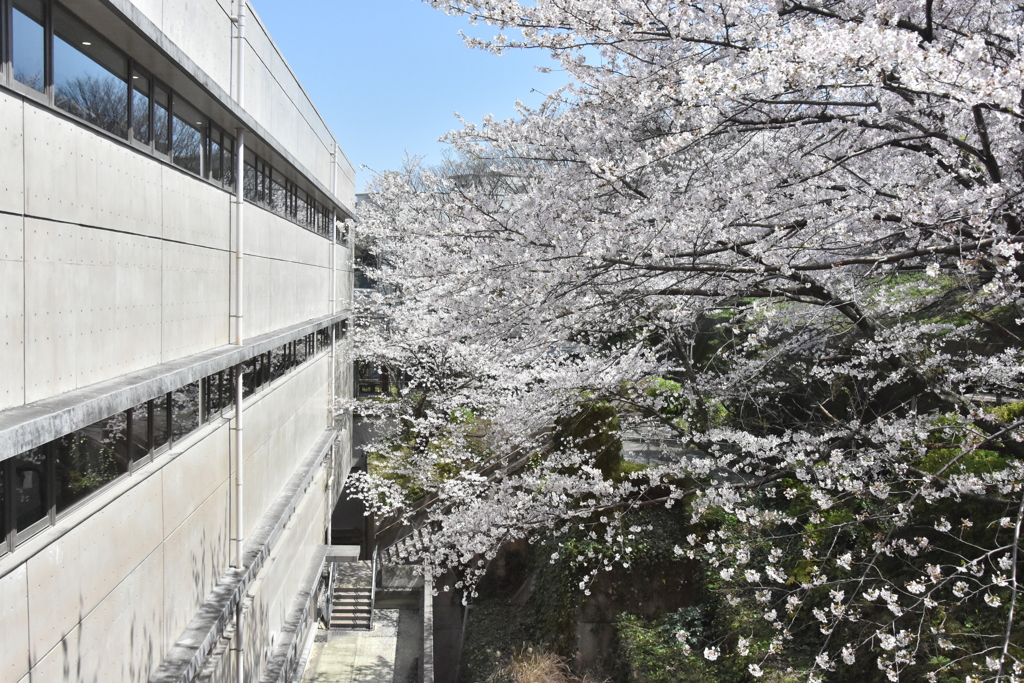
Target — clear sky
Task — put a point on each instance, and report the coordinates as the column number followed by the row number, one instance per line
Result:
column 388, row 75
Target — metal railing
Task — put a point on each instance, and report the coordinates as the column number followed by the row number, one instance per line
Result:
column 373, row 584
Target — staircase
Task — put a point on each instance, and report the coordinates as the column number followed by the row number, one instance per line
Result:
column 352, row 604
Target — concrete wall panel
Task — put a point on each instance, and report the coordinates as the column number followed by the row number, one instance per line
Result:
column 117, row 539
column 12, row 311
column 61, row 664
column 122, row 640
column 51, row 171
column 93, row 298
column 195, row 299
column 12, row 151
column 196, row 554
column 193, row 477
column 55, row 291
column 54, row 598
column 194, row 211
column 271, row 236
column 14, row 617
column 298, row 293
column 77, row 176
column 258, row 288
column 137, row 302
column 203, row 31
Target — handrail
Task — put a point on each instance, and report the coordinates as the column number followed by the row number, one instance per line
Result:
column 373, row 584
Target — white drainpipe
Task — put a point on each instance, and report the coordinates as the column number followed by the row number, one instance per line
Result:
column 334, row 280
column 239, row 21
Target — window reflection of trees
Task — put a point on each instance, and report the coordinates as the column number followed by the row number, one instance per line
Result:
column 34, row 81
column 90, row 458
column 187, row 143
column 100, row 101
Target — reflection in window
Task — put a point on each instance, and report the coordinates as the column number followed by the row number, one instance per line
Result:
column 250, row 182
column 30, row 505
column 89, row 77
column 161, row 121
column 89, row 459
column 230, row 162
column 216, row 156
column 141, row 128
column 185, row 410
column 3, row 507
column 276, row 199
column 29, row 43
column 140, row 431
column 187, row 136
column 161, row 422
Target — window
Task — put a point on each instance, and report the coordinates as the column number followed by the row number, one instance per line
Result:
column 161, row 421
column 4, row 498
column 29, row 44
column 89, row 459
column 140, row 431
column 185, row 410
column 214, row 152
column 187, row 130
column 89, row 77
column 141, row 128
column 29, row 476
column 161, row 121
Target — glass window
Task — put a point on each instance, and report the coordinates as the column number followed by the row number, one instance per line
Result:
column 250, row 182
column 89, row 76
column 140, row 422
column 302, row 215
column 89, row 459
column 216, row 156
column 161, row 121
column 30, row 482
column 141, row 129
column 3, row 507
column 185, row 410
column 230, row 162
column 277, row 194
column 161, row 421
column 214, row 395
column 187, row 136
column 248, row 378
column 29, row 42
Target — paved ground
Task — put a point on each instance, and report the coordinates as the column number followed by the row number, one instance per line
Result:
column 357, row 656
column 388, row 654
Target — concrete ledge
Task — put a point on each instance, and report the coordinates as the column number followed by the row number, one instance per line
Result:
column 186, row 658
column 35, row 424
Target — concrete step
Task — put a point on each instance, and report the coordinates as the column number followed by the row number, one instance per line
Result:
column 351, row 609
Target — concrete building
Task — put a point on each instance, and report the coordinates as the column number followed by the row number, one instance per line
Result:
column 171, row 246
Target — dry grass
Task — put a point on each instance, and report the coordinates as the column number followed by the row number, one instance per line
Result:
column 534, row 666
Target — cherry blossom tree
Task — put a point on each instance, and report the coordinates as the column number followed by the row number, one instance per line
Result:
column 786, row 232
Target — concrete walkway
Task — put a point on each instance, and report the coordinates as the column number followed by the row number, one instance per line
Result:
column 357, row 656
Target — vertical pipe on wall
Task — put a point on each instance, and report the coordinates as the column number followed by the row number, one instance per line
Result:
column 239, row 21
column 334, row 285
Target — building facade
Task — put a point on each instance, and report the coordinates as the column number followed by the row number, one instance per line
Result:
column 175, row 288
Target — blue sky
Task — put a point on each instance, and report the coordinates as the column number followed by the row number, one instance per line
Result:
column 388, row 75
